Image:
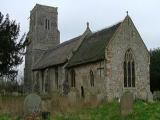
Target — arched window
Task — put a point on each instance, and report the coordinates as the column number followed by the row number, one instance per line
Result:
column 73, row 82
column 46, row 81
column 56, row 77
column 42, row 76
column 82, row 92
column 36, row 84
column 129, row 69
column 91, row 78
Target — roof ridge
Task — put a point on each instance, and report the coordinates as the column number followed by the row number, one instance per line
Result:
column 108, row 27
column 100, row 38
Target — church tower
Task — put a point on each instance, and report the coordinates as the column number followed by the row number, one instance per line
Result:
column 43, row 34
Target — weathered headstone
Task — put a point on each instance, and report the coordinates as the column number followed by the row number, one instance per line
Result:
column 72, row 96
column 32, row 106
column 126, row 103
column 150, row 97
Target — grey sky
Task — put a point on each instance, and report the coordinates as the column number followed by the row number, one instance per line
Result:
column 73, row 15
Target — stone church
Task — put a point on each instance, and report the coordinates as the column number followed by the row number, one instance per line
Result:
column 105, row 63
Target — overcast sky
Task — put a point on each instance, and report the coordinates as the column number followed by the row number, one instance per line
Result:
column 73, row 15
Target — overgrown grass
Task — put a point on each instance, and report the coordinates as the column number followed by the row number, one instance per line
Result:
column 11, row 104
column 111, row 111
column 107, row 111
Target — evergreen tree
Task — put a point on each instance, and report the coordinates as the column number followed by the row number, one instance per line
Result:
column 11, row 49
column 155, row 69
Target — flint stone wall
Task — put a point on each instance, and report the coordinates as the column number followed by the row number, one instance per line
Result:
column 82, row 79
column 127, row 37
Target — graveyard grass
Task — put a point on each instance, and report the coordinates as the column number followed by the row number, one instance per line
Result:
column 111, row 111
column 107, row 111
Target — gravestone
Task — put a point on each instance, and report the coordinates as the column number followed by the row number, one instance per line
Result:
column 72, row 96
column 150, row 97
column 32, row 106
column 126, row 104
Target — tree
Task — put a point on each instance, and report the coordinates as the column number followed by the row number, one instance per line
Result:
column 11, row 49
column 155, row 69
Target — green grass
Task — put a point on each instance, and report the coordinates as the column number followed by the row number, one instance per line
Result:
column 8, row 117
column 111, row 111
column 108, row 111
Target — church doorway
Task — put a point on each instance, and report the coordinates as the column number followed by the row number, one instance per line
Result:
column 82, row 92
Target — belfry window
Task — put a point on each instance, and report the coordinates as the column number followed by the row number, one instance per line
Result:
column 73, row 82
column 47, row 24
column 129, row 69
column 91, row 78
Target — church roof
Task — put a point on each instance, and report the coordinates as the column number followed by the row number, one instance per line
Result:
column 93, row 47
column 57, row 55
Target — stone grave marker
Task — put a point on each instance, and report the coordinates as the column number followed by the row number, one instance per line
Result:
column 126, row 103
column 150, row 97
column 32, row 107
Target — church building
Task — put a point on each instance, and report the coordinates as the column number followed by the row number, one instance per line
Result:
column 105, row 63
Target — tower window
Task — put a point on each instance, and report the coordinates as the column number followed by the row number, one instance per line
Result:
column 129, row 69
column 47, row 24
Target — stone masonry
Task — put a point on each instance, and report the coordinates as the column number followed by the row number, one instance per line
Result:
column 43, row 34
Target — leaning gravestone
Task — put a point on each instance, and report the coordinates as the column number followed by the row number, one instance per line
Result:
column 126, row 104
column 32, row 106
